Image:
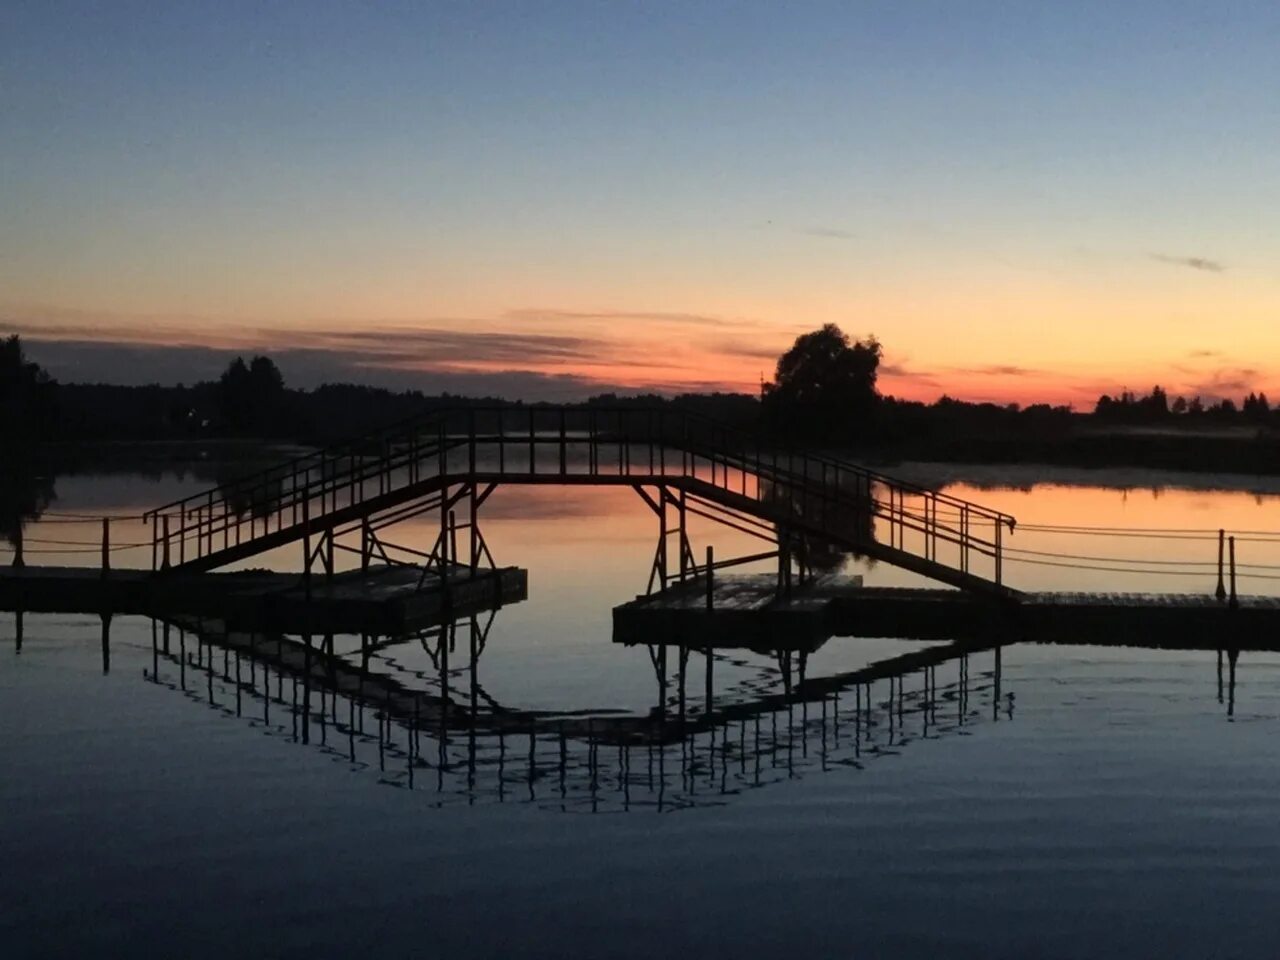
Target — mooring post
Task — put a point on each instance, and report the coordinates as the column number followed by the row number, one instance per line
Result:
column 710, row 660
column 1233, row 654
column 106, row 643
column 1221, row 592
column 17, row 547
column 710, row 577
column 1234, row 600
column 106, row 547
column 17, row 630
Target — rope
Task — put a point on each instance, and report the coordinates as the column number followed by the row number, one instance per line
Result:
column 54, row 516
column 1137, row 560
column 81, row 543
column 79, row 550
column 1160, row 573
column 1154, row 533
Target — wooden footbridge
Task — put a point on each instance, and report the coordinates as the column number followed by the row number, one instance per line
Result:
column 680, row 464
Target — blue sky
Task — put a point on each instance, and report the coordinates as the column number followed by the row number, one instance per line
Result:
column 1082, row 192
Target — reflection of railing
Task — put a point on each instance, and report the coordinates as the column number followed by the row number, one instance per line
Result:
column 451, row 737
column 808, row 493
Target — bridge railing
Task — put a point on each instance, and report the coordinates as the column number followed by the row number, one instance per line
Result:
column 814, row 492
column 290, row 493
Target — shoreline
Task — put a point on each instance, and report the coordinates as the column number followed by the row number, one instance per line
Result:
column 126, row 456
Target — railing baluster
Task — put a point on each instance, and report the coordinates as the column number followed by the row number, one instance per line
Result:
column 471, row 441
column 564, row 447
column 502, row 442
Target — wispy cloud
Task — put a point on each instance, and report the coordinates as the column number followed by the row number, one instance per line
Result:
column 656, row 316
column 1001, row 370
column 394, row 345
column 828, row 233
column 1227, row 382
column 903, row 374
column 1194, row 263
column 479, row 356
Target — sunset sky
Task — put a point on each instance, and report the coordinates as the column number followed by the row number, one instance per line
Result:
column 1024, row 202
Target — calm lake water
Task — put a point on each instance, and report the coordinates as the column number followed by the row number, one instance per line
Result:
column 1033, row 801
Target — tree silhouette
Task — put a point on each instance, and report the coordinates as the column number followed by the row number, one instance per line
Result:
column 28, row 401
column 824, row 387
column 28, row 410
column 250, row 395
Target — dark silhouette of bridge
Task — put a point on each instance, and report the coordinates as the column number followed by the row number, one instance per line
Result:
column 449, row 461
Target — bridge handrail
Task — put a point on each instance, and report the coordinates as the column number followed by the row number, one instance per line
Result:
column 326, row 454
column 755, row 439
column 858, row 469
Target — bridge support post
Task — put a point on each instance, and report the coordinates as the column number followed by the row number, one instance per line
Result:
column 306, row 548
column 1235, row 602
column 711, row 575
column 444, row 531
column 784, row 563
column 366, row 546
column 684, row 547
column 663, row 497
column 475, row 531
column 1221, row 592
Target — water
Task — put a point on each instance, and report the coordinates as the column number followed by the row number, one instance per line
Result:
column 1032, row 801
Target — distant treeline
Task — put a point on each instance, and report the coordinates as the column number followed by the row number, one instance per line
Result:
column 1156, row 407
column 824, row 394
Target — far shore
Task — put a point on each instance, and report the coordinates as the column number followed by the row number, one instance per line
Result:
column 124, row 456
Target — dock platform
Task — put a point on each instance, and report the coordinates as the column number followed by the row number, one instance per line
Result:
column 385, row 599
column 747, row 612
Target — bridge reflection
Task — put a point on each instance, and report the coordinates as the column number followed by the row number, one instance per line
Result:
column 432, row 727
column 437, row 730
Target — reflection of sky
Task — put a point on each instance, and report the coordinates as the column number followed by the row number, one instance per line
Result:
column 1118, row 784
column 650, row 196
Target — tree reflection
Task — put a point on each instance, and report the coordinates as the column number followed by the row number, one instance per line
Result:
column 25, row 493
column 255, row 495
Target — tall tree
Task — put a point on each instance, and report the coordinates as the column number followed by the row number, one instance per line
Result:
column 28, row 413
column 824, row 387
column 250, row 394
column 28, row 397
